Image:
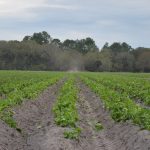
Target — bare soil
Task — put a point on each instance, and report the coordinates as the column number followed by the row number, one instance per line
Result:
column 114, row 136
column 141, row 104
column 39, row 131
column 35, row 119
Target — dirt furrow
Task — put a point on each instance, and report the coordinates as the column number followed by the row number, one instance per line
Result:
column 114, row 136
column 39, row 131
column 91, row 138
column 36, row 121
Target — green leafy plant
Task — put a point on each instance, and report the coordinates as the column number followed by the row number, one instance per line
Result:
column 73, row 133
column 65, row 109
column 121, row 106
column 98, row 126
column 21, row 86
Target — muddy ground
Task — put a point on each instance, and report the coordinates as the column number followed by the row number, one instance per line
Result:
column 39, row 132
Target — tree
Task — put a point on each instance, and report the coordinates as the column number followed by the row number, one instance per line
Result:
column 56, row 42
column 120, row 47
column 126, row 47
column 116, row 47
column 125, row 61
column 92, row 61
column 40, row 38
column 90, row 44
column 83, row 46
column 143, row 62
column 27, row 38
column 69, row 44
column 106, row 46
column 40, row 52
column 106, row 59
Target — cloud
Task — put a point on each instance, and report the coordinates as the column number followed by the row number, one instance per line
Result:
column 74, row 35
column 25, row 9
column 103, row 20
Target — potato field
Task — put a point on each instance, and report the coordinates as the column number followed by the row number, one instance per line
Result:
column 74, row 111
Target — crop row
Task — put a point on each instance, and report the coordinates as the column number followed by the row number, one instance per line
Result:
column 121, row 107
column 19, row 95
column 65, row 109
column 136, row 89
column 19, row 80
column 134, row 75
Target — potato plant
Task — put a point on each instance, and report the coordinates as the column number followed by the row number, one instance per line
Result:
column 31, row 85
column 121, row 107
column 65, row 109
column 136, row 88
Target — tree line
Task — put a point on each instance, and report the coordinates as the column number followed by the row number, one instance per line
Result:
column 41, row 52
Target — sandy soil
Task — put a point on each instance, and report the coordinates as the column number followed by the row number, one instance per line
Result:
column 39, row 132
column 114, row 136
column 35, row 118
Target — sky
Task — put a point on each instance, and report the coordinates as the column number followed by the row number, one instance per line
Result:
column 103, row 20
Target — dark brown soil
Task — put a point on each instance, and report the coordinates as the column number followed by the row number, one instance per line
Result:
column 39, row 131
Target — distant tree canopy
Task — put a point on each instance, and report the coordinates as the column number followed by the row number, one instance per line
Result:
column 82, row 46
column 118, row 47
column 56, row 42
column 40, row 52
column 40, row 38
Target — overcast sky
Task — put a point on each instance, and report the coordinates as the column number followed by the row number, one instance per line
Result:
column 103, row 20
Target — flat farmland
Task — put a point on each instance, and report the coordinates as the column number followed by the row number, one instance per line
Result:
column 74, row 111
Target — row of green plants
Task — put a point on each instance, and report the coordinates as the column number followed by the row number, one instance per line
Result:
column 121, row 107
column 137, row 89
column 31, row 91
column 65, row 109
column 12, row 81
column 134, row 75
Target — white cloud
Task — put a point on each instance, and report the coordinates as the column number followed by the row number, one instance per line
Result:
column 17, row 8
column 107, row 23
column 56, row 6
column 103, row 20
column 78, row 34
column 24, row 9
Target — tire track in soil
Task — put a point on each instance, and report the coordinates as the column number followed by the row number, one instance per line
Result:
column 114, row 136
